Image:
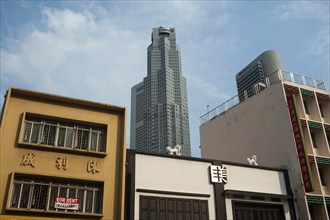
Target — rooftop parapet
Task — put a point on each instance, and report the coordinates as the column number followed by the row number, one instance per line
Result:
column 279, row 75
column 295, row 78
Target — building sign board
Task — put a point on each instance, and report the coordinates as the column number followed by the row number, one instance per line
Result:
column 300, row 145
column 218, row 174
column 67, row 203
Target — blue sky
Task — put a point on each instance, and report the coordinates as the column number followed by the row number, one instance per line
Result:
column 97, row 50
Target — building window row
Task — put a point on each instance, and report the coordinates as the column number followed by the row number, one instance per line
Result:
column 35, row 194
column 62, row 134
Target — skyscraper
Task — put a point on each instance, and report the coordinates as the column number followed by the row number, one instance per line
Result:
column 159, row 105
column 256, row 72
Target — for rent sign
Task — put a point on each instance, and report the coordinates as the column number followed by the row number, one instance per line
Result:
column 300, row 145
column 67, row 203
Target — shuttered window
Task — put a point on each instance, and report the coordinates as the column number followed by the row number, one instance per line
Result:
column 257, row 211
column 161, row 208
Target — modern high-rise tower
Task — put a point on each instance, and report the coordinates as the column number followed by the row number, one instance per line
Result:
column 256, row 72
column 159, row 105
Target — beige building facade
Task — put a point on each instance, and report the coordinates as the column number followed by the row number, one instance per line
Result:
column 286, row 125
column 61, row 158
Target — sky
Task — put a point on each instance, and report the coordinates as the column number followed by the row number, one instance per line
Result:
column 97, row 50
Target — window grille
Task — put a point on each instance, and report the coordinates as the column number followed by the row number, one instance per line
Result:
column 40, row 194
column 61, row 134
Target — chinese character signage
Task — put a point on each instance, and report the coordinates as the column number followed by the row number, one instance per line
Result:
column 62, row 163
column 218, row 174
column 93, row 166
column 28, row 159
column 67, row 203
column 298, row 137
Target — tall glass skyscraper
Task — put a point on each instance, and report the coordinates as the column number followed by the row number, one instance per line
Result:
column 159, row 105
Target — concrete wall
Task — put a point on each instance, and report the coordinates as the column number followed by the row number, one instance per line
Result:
column 250, row 179
column 255, row 180
column 155, row 174
column 258, row 126
column 167, row 174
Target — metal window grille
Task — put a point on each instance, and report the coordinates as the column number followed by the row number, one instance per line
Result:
column 61, row 134
column 33, row 194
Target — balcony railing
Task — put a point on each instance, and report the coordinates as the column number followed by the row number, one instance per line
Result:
column 279, row 75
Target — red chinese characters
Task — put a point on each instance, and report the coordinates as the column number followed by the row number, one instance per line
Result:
column 303, row 159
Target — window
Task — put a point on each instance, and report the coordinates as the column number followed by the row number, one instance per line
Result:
column 313, row 139
column 257, row 211
column 312, row 212
column 152, row 207
column 31, row 193
column 62, row 134
column 322, row 176
column 321, row 110
column 306, row 106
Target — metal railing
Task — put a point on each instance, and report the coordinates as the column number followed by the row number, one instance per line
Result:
column 295, row 78
column 219, row 109
column 279, row 75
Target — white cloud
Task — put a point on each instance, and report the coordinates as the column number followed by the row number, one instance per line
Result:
column 98, row 52
column 303, row 10
column 207, row 90
column 320, row 46
column 222, row 20
column 318, row 53
column 68, row 21
column 313, row 17
column 94, row 49
column 78, row 56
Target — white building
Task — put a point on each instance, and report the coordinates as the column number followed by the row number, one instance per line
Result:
column 173, row 187
column 287, row 125
column 159, row 105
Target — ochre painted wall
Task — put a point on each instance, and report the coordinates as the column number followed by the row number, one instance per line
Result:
column 111, row 164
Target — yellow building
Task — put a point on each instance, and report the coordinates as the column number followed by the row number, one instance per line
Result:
column 61, row 158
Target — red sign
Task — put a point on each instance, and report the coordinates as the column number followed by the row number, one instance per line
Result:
column 303, row 159
column 67, row 203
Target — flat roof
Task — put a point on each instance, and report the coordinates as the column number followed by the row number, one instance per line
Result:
column 69, row 100
column 197, row 159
